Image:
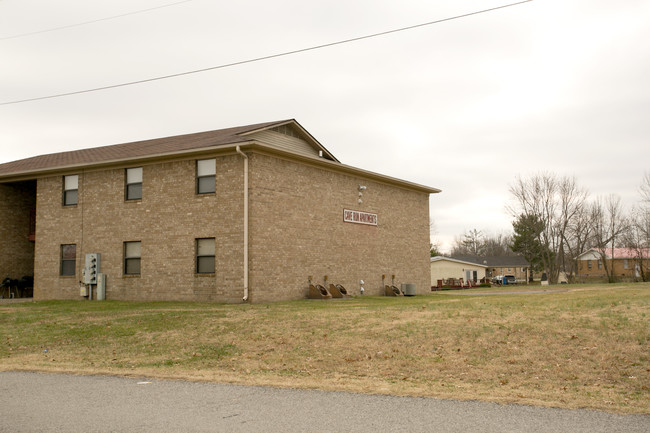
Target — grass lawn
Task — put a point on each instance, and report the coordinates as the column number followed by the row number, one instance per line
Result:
column 585, row 347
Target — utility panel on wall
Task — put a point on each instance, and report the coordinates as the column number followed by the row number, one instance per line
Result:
column 91, row 268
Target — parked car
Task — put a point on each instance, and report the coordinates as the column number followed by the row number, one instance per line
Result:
column 509, row 279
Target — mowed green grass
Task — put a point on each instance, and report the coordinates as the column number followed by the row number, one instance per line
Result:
column 586, row 347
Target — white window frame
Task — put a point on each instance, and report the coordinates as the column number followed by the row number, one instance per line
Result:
column 132, row 254
column 64, row 261
column 71, row 190
column 206, row 176
column 205, row 255
column 133, row 184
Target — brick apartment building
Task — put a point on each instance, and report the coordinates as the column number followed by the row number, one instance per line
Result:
column 241, row 213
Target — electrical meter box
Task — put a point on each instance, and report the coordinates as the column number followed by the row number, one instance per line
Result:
column 91, row 269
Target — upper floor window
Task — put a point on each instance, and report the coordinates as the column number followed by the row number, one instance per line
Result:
column 206, row 176
column 133, row 189
column 68, row 260
column 205, row 249
column 70, row 190
column 132, row 254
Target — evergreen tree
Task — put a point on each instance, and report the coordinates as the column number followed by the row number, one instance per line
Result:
column 526, row 240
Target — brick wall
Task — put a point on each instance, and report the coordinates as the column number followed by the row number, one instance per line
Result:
column 166, row 221
column 17, row 259
column 296, row 230
column 620, row 268
column 517, row 271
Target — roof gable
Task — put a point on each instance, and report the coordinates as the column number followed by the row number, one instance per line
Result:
column 291, row 136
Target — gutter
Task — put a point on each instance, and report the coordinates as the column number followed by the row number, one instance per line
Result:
column 245, row 298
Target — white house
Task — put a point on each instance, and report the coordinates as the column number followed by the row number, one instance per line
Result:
column 445, row 268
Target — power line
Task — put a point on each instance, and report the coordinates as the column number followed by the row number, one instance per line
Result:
column 91, row 22
column 258, row 59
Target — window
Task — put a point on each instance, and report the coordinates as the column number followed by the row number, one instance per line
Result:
column 205, row 249
column 600, row 264
column 70, row 190
column 626, row 264
column 68, row 260
column 206, row 176
column 132, row 258
column 589, row 264
column 134, row 183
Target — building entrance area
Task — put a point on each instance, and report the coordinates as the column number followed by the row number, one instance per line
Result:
column 18, row 237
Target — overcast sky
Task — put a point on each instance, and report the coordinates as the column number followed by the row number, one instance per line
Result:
column 464, row 105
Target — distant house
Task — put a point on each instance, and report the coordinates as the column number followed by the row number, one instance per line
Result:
column 625, row 262
column 502, row 265
column 444, row 269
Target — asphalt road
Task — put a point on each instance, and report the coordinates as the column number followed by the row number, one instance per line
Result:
column 34, row 402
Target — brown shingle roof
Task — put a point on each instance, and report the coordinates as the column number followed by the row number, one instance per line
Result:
column 496, row 261
column 134, row 150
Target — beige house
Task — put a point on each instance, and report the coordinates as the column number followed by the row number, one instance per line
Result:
column 444, row 269
column 251, row 213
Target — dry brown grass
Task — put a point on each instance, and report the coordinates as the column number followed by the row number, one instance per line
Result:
column 583, row 348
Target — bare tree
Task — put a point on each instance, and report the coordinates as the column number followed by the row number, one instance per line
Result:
column 475, row 243
column 555, row 202
column 645, row 189
column 578, row 235
column 434, row 245
column 471, row 243
column 609, row 224
column 498, row 245
column 637, row 237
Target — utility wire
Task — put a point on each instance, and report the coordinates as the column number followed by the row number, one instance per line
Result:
column 258, row 59
column 91, row 22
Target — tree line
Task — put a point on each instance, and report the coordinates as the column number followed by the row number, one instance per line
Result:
column 555, row 220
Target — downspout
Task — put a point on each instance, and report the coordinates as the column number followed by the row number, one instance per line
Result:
column 245, row 298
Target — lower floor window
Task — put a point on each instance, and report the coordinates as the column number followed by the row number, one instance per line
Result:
column 68, row 260
column 132, row 258
column 205, row 249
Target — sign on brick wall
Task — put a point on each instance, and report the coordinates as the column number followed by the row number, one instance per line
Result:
column 358, row 217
